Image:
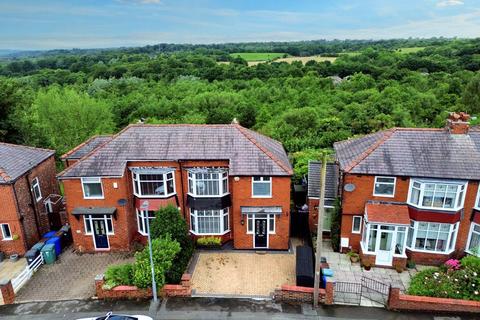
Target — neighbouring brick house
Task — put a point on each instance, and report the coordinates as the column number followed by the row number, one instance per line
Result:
column 411, row 193
column 226, row 181
column 29, row 200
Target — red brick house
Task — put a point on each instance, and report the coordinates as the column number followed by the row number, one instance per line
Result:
column 411, row 193
column 29, row 200
column 225, row 180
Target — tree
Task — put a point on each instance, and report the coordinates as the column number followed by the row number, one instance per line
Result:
column 63, row 118
column 471, row 96
column 169, row 222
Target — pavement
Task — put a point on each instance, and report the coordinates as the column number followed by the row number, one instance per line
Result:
column 204, row 308
column 70, row 277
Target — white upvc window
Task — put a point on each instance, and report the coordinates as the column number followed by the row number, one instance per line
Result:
column 432, row 237
column 153, row 185
column 357, row 224
column 6, row 232
column 473, row 243
column 261, row 187
column 208, row 183
column 384, row 187
column 437, row 195
column 371, row 239
column 209, row 222
column 251, row 222
column 142, row 216
column 88, row 222
column 92, row 188
column 37, row 192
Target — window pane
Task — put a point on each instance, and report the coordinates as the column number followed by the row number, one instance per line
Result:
column 225, row 222
column 6, row 231
column 170, row 188
column 93, row 189
column 474, row 245
column 261, row 189
column 272, row 223
column 250, row 224
column 372, row 241
column 109, row 225
column 356, row 224
column 386, row 180
column 415, row 196
column 384, row 189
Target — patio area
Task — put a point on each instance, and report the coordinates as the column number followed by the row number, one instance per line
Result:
column 241, row 274
column 9, row 270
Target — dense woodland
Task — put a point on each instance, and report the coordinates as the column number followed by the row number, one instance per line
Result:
column 58, row 99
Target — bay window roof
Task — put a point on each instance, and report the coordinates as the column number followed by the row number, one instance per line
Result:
column 411, row 152
column 390, row 213
column 248, row 152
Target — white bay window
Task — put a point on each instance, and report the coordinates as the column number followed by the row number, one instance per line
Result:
column 432, row 236
column 209, row 222
column 207, row 182
column 439, row 195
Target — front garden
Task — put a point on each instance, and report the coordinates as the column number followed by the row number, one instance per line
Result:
column 172, row 249
column 456, row 279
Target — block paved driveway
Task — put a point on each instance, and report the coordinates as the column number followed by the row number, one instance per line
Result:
column 241, row 273
column 70, row 277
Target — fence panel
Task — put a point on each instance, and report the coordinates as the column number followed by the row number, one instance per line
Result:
column 20, row 280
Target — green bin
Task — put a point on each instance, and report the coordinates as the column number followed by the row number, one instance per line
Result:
column 48, row 252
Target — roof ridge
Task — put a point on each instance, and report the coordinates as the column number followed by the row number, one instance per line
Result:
column 243, row 131
column 65, row 155
column 179, row 125
column 386, row 135
column 4, row 175
column 28, row 147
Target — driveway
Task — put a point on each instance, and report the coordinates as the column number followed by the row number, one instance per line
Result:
column 70, row 277
column 242, row 273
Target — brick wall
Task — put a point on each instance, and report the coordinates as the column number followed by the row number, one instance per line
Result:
column 398, row 263
column 297, row 294
column 401, row 302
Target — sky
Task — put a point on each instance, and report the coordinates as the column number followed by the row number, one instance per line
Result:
column 55, row 24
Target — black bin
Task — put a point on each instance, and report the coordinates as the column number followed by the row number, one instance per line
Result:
column 305, row 267
column 31, row 255
column 66, row 236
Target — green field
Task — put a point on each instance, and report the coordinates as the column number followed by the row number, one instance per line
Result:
column 258, row 56
column 410, row 49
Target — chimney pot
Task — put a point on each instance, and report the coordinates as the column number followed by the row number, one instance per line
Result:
column 457, row 123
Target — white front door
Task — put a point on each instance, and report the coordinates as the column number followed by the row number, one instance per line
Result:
column 384, row 246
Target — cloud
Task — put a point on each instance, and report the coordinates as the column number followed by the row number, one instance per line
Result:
column 449, row 3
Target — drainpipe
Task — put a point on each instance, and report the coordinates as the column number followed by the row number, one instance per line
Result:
column 24, row 238
column 183, row 194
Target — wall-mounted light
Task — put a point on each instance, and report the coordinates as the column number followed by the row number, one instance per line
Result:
column 236, row 178
column 242, row 222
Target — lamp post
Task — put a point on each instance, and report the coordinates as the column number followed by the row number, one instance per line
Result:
column 144, row 207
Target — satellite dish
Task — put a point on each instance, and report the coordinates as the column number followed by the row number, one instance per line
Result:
column 122, row 202
column 349, row 187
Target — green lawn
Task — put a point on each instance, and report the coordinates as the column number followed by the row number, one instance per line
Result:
column 258, row 56
column 410, row 49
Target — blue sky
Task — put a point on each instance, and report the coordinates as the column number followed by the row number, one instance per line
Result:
column 48, row 24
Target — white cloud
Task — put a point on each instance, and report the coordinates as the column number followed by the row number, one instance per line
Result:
column 449, row 3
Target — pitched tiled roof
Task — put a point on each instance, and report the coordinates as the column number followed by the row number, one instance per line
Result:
column 85, row 148
column 331, row 180
column 16, row 160
column 393, row 213
column 249, row 153
column 429, row 153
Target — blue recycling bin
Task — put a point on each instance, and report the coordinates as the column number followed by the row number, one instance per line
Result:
column 57, row 242
column 49, row 234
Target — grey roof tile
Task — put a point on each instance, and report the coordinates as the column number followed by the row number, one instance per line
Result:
column 433, row 153
column 249, row 153
column 331, row 180
column 16, row 160
column 87, row 147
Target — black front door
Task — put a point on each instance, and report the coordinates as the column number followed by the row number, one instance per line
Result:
column 261, row 233
column 100, row 234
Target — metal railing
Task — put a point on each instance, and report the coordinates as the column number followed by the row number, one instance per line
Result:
column 20, row 280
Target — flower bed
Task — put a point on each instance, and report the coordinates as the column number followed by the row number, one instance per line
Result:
column 455, row 280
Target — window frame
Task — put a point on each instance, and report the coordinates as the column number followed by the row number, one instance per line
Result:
column 451, row 238
column 359, row 225
column 367, row 227
column 251, row 222
column 222, row 178
column 4, row 238
column 141, row 216
column 262, row 181
column 225, row 212
column 458, row 202
column 384, row 195
column 137, row 190
column 469, row 239
column 101, row 186
column 92, row 217
column 36, row 186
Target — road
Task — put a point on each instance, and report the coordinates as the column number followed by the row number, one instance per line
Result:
column 203, row 308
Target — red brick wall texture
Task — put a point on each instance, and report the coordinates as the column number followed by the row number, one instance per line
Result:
column 27, row 218
column 125, row 223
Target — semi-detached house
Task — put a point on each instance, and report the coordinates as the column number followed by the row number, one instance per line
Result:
column 411, row 193
column 225, row 180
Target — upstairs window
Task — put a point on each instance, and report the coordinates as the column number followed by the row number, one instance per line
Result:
column 36, row 189
column 261, row 187
column 437, row 195
column 473, row 243
column 384, row 186
column 153, row 185
column 6, row 233
column 208, row 182
column 92, row 188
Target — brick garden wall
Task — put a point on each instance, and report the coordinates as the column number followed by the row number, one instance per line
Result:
column 297, row 294
column 401, row 302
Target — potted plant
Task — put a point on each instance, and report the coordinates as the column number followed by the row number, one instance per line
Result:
column 209, row 242
column 354, row 257
column 366, row 265
column 411, row 264
column 399, row 268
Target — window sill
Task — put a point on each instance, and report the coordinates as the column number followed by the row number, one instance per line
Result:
column 93, row 198
column 431, row 252
column 208, row 196
column 154, row 196
column 261, row 197
column 10, row 239
column 209, row 234
column 384, row 195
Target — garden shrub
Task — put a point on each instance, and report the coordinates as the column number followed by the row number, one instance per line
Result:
column 336, row 225
column 471, row 262
column 209, row 241
column 117, row 275
column 168, row 221
column 164, row 251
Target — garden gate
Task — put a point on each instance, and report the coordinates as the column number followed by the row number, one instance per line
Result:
column 368, row 288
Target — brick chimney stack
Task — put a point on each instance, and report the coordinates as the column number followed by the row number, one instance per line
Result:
column 457, row 123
